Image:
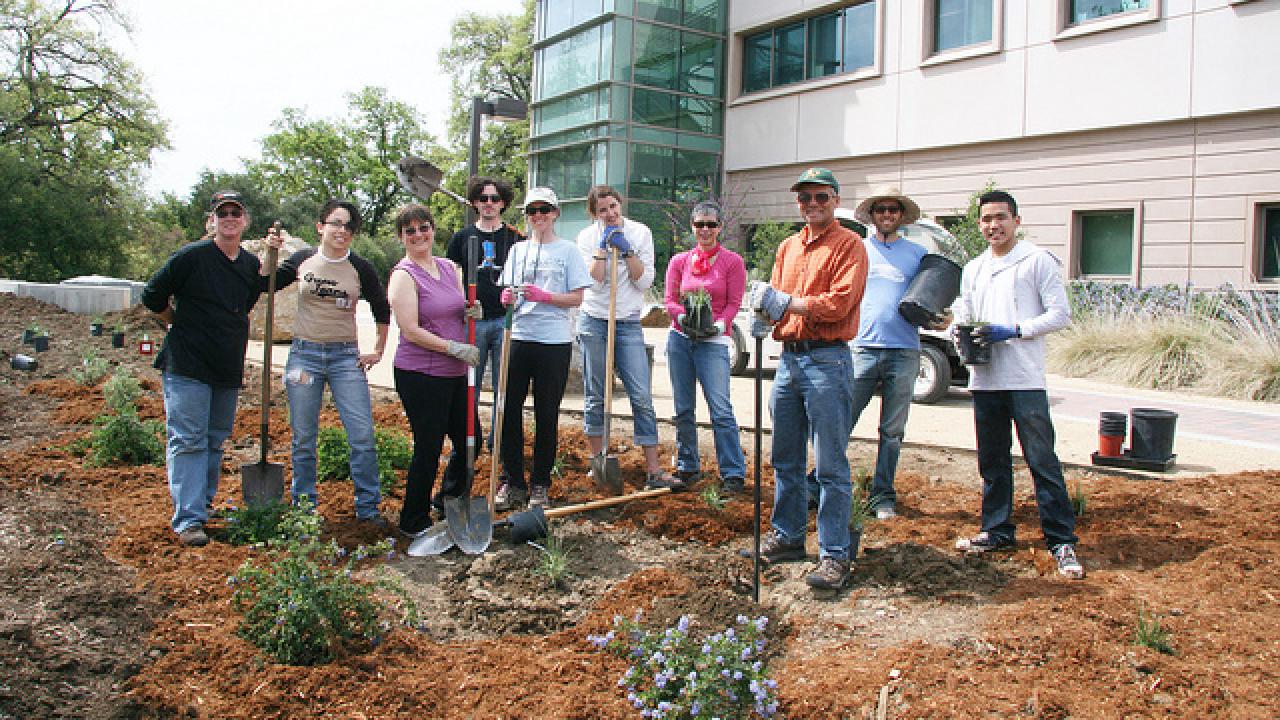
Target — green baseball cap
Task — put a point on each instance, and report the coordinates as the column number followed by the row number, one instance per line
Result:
column 817, row 176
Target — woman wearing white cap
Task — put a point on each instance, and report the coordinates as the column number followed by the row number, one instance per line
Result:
column 544, row 276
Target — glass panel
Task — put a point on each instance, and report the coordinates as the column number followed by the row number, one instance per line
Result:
column 704, row 15
column 573, row 217
column 859, row 36
column 1271, row 244
column 566, row 112
column 621, row 50
column 1082, row 10
column 656, row 56
column 655, row 217
column 958, row 23
column 557, row 16
column 824, row 45
column 667, row 11
column 700, row 142
column 652, row 169
column 584, row 10
column 571, row 63
column 566, row 170
column 617, row 176
column 700, row 115
column 757, row 52
column 1106, row 243
column 696, row 172
column 639, row 133
column 652, row 107
column 788, row 55
column 699, row 65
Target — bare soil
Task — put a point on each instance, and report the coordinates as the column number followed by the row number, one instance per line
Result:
column 103, row 614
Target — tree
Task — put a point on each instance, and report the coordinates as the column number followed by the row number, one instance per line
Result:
column 75, row 130
column 969, row 240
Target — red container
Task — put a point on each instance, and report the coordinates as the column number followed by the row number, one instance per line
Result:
column 1111, row 445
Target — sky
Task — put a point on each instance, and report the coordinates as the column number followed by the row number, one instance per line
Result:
column 221, row 73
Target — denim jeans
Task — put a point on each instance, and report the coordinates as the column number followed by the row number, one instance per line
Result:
column 489, row 340
column 894, row 371
column 813, row 398
column 310, row 367
column 631, row 363
column 1028, row 410
column 198, row 419
column 706, row 363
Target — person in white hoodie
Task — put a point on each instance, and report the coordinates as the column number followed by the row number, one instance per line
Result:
column 1016, row 289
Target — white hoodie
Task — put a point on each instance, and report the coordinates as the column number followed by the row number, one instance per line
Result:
column 1022, row 288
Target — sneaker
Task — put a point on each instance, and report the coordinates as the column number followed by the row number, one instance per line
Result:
column 831, row 574
column 1068, row 564
column 194, row 536
column 375, row 521
column 509, row 497
column 774, row 550
column 662, row 479
column 732, row 486
column 538, row 497
column 983, row 543
column 886, row 512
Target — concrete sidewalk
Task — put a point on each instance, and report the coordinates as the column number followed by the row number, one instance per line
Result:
column 1213, row 435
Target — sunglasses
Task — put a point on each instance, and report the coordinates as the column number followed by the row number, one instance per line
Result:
column 410, row 231
column 706, row 224
column 821, row 198
column 336, row 225
column 539, row 210
column 881, row 209
column 230, row 212
column 489, row 199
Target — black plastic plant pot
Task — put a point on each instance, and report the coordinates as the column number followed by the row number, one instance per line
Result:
column 28, row 336
column 95, row 329
column 23, row 362
column 971, row 351
column 931, row 291
column 117, row 339
column 41, row 343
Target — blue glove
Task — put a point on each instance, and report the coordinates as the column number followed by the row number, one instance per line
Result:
column 773, row 302
column 619, row 240
column 992, row 334
column 760, row 325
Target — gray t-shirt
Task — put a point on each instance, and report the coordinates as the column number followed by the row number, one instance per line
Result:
column 556, row 267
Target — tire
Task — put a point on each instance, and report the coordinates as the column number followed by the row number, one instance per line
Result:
column 741, row 356
column 934, row 379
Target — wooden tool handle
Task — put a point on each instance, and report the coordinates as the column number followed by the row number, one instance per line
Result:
column 607, row 502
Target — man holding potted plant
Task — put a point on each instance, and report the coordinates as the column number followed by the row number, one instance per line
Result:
column 1017, row 287
column 204, row 291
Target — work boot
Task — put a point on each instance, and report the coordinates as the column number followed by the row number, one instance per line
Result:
column 661, row 479
column 194, row 536
column 538, row 497
column 774, row 550
column 831, row 574
column 375, row 522
column 732, row 486
column 984, row 542
column 509, row 497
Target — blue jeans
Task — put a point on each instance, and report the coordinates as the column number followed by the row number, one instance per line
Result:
column 894, row 371
column 1028, row 410
column 631, row 363
column 310, row 366
column 706, row 363
column 489, row 340
column 813, row 398
column 198, row 419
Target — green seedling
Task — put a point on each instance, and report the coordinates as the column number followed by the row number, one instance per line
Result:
column 553, row 562
column 1149, row 633
column 1079, row 499
column 712, row 497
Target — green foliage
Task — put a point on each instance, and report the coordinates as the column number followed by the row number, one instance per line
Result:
column 305, row 606
column 121, row 391
column 93, row 367
column 553, row 561
column 1149, row 633
column 1079, row 499
column 676, row 675
column 712, row 498
column 863, row 505
column 127, row 439
column 764, row 242
column 253, row 524
column 969, row 240
column 382, row 251
column 333, row 455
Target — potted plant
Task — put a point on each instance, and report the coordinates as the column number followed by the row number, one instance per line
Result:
column 30, row 333
column 95, row 326
column 117, row 336
column 41, row 340
column 698, row 319
column 972, row 352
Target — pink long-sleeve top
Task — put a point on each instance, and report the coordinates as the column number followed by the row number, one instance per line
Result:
column 726, row 281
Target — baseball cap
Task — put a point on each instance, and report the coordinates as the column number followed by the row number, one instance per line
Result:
column 541, row 195
column 817, row 176
column 222, row 197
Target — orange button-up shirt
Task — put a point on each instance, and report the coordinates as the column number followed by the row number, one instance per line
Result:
column 827, row 270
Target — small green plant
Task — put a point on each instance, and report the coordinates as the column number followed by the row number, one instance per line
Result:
column 121, row 436
column 121, row 391
column 712, row 497
column 675, row 675
column 333, row 455
column 553, row 562
column 253, row 524
column 93, row 368
column 557, row 467
column 1079, row 499
column 863, row 506
column 1149, row 633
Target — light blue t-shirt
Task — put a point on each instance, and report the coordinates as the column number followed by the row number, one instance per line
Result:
column 556, row 267
column 890, row 269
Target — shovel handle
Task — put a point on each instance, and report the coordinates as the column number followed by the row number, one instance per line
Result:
column 268, row 337
column 607, row 502
column 610, row 339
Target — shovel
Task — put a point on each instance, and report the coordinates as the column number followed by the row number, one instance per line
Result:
column 421, row 178
column 755, row 527
column 604, row 467
column 532, row 524
column 262, row 483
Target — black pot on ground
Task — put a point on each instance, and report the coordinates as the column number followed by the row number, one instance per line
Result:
column 931, row 291
column 117, row 339
column 28, row 336
column 971, row 351
column 95, row 329
column 1151, row 436
column 23, row 362
column 41, row 343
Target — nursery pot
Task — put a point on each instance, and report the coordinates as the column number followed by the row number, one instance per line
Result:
column 117, row 339
column 145, row 346
column 931, row 291
column 23, row 362
column 41, row 343
column 28, row 336
column 95, row 329
column 971, row 352
column 1152, row 433
column 1112, row 427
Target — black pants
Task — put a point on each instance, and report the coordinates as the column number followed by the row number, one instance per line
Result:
column 547, row 367
column 436, row 406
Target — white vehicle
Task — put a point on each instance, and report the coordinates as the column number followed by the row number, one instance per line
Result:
column 940, row 366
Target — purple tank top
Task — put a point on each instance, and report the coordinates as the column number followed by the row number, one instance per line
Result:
column 440, row 304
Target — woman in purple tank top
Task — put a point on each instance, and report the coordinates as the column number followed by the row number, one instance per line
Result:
column 431, row 362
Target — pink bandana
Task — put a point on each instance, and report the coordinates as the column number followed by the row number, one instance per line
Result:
column 702, row 262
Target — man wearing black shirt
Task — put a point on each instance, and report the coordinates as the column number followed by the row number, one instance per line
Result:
column 493, row 239
column 205, row 291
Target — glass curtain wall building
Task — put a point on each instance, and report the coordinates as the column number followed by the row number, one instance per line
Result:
column 628, row 93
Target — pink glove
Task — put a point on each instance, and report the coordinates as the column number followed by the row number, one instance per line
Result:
column 508, row 296
column 536, row 294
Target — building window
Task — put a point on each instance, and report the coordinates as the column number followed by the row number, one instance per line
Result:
column 830, row 44
column 1086, row 10
column 1105, row 243
column 572, row 63
column 961, row 23
column 1270, row 242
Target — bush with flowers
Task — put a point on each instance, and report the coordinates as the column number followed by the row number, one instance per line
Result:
column 676, row 676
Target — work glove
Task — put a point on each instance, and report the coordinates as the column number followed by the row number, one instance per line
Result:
column 508, row 296
column 761, row 326
column 772, row 302
column 614, row 236
column 992, row 334
column 473, row 311
column 469, row 354
column 536, row 294
column 942, row 320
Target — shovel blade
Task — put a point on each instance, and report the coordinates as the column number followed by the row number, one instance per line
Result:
column 261, row 483
column 435, row 541
column 607, row 473
column 469, row 523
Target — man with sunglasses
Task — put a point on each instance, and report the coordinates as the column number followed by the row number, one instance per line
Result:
column 886, row 353
column 492, row 239
column 812, row 302
column 205, row 291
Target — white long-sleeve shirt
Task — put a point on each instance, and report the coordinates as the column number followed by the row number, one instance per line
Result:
column 630, row 301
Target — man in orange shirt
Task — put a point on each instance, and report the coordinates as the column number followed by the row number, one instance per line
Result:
column 812, row 299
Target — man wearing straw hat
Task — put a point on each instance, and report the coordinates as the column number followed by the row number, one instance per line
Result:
column 886, row 351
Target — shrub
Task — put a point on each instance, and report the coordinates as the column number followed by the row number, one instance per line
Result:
column 333, row 455
column 674, row 675
column 121, row 391
column 93, row 368
column 121, row 436
column 764, row 242
column 1148, row 633
column 253, row 524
